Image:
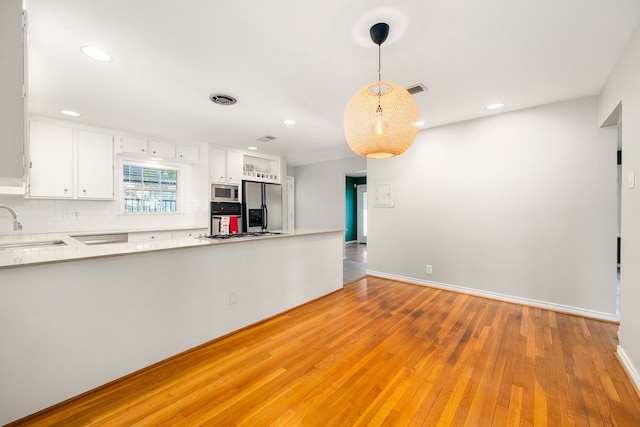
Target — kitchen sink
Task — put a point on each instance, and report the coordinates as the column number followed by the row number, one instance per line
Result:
column 102, row 239
column 30, row 245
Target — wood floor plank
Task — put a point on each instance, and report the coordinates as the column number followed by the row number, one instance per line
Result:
column 380, row 353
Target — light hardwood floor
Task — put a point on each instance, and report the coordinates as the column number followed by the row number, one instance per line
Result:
column 381, row 353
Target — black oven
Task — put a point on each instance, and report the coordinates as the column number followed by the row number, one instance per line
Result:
column 226, row 218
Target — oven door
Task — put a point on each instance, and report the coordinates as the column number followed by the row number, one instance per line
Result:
column 225, row 224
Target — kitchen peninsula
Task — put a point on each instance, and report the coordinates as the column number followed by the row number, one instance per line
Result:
column 81, row 316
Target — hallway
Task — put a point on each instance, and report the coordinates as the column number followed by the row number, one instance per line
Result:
column 355, row 263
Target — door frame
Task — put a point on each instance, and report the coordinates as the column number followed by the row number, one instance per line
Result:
column 361, row 212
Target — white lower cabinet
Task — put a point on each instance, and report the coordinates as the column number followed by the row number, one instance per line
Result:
column 183, row 234
column 149, row 235
column 145, row 236
column 68, row 163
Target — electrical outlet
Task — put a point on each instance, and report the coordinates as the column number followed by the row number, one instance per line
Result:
column 67, row 214
column 76, row 214
column 233, row 298
column 429, row 269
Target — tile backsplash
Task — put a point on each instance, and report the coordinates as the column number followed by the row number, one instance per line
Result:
column 49, row 216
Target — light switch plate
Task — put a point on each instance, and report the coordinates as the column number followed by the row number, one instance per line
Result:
column 631, row 179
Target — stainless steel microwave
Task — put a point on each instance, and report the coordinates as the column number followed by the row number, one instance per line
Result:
column 224, row 193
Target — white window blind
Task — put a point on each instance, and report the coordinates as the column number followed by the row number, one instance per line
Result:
column 148, row 189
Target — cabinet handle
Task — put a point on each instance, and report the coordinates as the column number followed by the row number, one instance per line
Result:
column 221, row 178
column 84, row 191
column 66, row 190
column 143, row 150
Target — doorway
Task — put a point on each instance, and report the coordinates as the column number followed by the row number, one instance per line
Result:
column 356, row 225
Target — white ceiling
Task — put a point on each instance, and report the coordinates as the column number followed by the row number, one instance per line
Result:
column 304, row 59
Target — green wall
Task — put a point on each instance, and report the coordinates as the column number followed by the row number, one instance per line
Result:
column 351, row 214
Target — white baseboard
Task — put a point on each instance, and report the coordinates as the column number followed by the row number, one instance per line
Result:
column 628, row 366
column 501, row 297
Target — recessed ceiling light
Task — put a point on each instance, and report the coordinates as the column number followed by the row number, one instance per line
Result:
column 289, row 122
column 96, row 53
column 70, row 113
column 495, row 106
column 418, row 124
column 253, row 148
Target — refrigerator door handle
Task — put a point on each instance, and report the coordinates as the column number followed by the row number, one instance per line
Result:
column 265, row 217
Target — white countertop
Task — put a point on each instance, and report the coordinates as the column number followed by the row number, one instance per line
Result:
column 75, row 250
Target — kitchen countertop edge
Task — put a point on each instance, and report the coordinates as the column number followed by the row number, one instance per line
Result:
column 74, row 250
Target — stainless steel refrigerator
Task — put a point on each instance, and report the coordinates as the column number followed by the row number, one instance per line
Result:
column 261, row 206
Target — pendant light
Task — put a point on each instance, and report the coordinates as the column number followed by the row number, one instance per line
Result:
column 379, row 118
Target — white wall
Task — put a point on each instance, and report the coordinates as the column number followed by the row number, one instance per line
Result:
column 320, row 192
column 623, row 87
column 520, row 206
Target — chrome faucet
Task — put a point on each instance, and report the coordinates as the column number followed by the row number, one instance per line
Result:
column 16, row 224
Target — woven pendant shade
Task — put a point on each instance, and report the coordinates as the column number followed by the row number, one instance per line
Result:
column 379, row 134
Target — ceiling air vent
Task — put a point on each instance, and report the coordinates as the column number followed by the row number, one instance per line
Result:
column 222, row 99
column 266, row 138
column 417, row 88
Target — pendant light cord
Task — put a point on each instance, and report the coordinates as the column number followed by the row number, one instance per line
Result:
column 379, row 110
column 379, row 62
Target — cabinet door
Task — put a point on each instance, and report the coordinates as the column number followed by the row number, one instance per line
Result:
column 132, row 145
column 162, row 149
column 50, row 160
column 185, row 234
column 234, row 167
column 95, row 165
column 146, row 236
column 187, row 154
column 218, row 165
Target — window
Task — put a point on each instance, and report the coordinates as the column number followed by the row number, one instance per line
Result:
column 150, row 189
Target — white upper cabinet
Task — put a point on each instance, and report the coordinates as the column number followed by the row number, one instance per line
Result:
column 13, row 98
column 225, row 166
column 159, row 149
column 67, row 163
column 165, row 150
column 95, row 165
column 50, row 161
column 187, row 153
column 234, row 167
column 133, row 145
column 218, row 165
